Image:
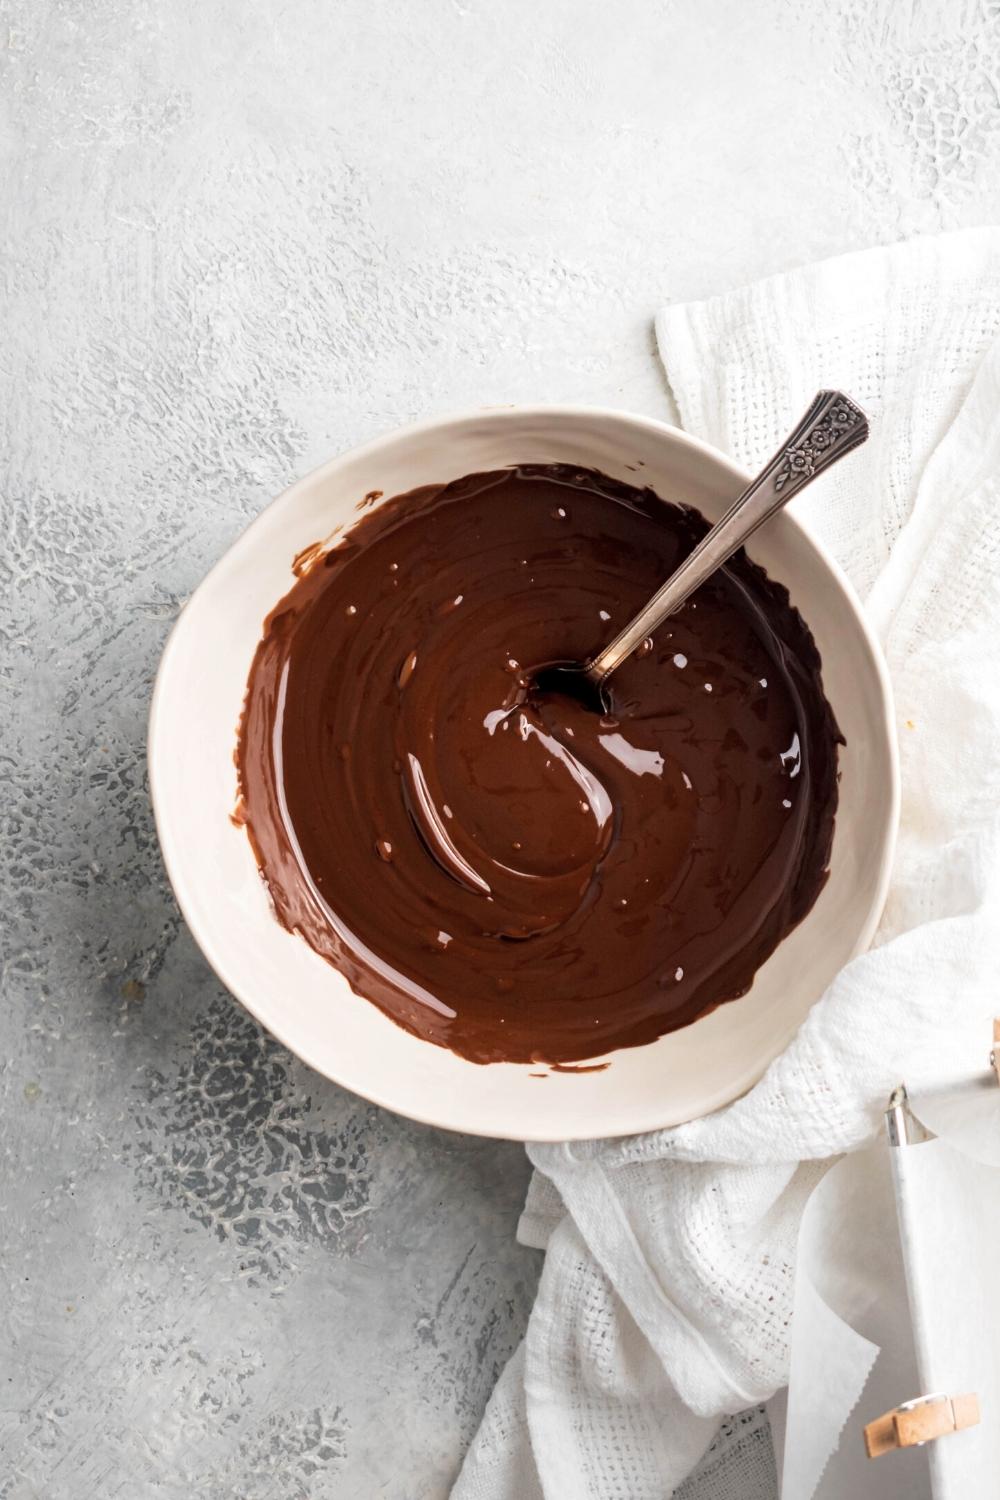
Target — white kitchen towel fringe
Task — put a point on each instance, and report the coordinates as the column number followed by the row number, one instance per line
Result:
column 666, row 1293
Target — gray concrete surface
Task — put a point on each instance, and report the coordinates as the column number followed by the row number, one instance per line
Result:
column 236, row 239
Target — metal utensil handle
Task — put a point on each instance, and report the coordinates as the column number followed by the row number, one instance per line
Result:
column 831, row 427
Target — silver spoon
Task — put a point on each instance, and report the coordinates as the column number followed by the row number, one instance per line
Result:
column 831, row 427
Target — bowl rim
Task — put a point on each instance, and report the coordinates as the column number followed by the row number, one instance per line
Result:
column 438, row 424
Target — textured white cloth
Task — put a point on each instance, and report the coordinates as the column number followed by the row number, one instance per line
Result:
column 667, row 1288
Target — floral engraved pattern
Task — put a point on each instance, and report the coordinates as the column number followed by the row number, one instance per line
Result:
column 818, row 447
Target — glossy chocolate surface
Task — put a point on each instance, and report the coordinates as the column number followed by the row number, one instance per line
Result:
column 499, row 869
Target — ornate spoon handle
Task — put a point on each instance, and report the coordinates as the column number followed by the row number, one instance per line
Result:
column 831, row 427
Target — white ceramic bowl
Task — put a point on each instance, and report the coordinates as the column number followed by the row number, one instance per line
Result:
column 308, row 1004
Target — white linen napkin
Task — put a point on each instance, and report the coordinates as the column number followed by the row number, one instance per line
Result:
column 666, row 1295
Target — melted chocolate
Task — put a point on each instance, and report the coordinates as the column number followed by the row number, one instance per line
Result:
column 500, row 870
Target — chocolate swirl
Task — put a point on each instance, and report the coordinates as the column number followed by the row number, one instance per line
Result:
column 502, row 871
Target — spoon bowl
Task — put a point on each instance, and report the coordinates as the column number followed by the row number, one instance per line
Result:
column 568, row 679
